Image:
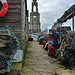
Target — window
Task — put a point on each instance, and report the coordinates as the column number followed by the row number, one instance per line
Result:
column 34, row 8
column 34, row 19
column 34, row 16
column 35, row 27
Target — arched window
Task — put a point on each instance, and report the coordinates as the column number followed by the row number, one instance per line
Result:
column 34, row 8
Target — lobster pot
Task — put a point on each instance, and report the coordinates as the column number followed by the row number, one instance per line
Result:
column 68, row 36
column 8, row 46
column 5, row 63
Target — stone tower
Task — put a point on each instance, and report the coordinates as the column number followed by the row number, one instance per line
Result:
column 34, row 18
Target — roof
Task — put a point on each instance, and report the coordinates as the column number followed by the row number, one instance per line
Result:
column 68, row 14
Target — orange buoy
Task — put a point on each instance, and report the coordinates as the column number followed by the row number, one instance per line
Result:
column 4, row 8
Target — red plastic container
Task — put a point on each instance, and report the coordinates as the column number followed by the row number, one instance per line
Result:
column 50, row 51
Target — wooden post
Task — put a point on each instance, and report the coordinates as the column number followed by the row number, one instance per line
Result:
column 61, row 24
column 58, row 22
column 73, row 21
column 24, row 32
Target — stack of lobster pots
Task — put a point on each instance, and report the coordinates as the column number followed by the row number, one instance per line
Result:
column 62, row 45
column 8, row 46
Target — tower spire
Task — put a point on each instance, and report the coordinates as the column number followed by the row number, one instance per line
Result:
column 35, row 18
column 34, row 0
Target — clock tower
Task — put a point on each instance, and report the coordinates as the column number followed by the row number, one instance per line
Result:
column 35, row 18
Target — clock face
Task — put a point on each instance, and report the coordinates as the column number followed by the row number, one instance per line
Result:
column 35, row 27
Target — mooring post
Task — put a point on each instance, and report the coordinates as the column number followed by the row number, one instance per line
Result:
column 73, row 21
column 61, row 24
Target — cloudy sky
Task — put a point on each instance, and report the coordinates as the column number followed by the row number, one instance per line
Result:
column 51, row 10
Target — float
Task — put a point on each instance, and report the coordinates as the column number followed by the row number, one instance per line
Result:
column 3, row 7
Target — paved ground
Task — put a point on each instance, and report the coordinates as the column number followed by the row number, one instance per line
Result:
column 39, row 63
column 16, row 69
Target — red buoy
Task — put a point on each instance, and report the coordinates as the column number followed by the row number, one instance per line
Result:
column 4, row 8
column 50, row 51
